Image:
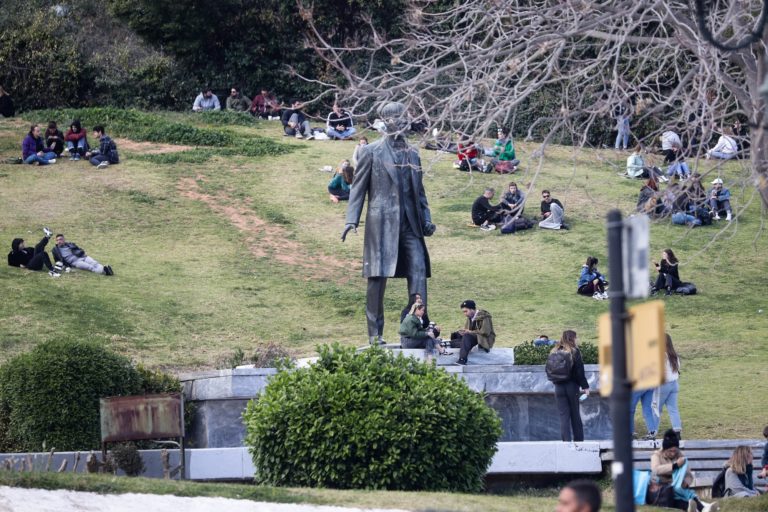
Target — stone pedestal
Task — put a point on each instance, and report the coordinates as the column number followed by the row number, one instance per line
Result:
column 521, row 395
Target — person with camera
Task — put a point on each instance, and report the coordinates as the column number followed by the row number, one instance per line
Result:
column 413, row 334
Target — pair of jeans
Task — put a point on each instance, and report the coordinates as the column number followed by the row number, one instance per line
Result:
column 721, row 155
column 41, row 160
column 78, row 148
column 342, row 194
column 666, row 394
column 89, row 264
column 649, row 413
column 567, row 398
column 468, row 342
column 666, row 280
column 335, row 134
column 302, row 128
column 718, row 206
column 623, row 135
column 97, row 159
column 680, row 168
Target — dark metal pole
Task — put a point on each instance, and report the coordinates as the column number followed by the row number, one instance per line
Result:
column 620, row 396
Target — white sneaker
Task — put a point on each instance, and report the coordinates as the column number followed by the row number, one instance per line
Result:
column 47, row 232
column 604, row 295
column 597, row 296
column 53, row 274
column 299, row 136
column 488, row 227
column 716, row 217
column 728, row 216
column 103, row 165
column 310, row 136
column 52, row 161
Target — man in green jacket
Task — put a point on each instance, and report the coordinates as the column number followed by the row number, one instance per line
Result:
column 504, row 161
column 478, row 330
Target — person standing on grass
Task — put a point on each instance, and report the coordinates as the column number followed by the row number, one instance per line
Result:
column 33, row 148
column 567, row 392
column 32, row 259
column 73, row 256
column 591, row 281
column 580, row 496
column 106, row 154
column 666, row 394
column 669, row 278
column 76, row 140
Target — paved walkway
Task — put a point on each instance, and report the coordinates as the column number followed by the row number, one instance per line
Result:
column 13, row 499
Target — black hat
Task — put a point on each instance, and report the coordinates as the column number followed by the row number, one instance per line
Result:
column 469, row 304
column 671, row 439
column 16, row 243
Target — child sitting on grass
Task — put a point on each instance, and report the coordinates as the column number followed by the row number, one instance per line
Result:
column 107, row 152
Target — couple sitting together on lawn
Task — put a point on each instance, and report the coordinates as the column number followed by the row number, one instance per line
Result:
column 44, row 150
column 66, row 254
column 511, row 207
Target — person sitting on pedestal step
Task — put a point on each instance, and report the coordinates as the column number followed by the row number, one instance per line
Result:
column 413, row 334
column 664, row 463
column 477, row 331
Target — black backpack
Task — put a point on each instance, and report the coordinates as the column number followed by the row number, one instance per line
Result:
column 686, row 289
column 718, row 484
column 559, row 366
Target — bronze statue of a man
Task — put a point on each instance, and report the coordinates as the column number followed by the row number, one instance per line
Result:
column 398, row 218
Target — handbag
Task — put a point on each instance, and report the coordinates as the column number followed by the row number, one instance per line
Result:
column 660, row 495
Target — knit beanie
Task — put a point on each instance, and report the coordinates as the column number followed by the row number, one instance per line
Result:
column 670, row 440
column 16, row 243
column 469, row 304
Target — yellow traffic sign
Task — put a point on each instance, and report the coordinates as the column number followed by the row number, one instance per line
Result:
column 646, row 347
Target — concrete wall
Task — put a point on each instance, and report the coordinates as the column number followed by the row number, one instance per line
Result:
column 521, row 395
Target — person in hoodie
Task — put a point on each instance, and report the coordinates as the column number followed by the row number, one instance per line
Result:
column 107, row 152
column 54, row 138
column 33, row 148
column 32, row 259
column 76, row 140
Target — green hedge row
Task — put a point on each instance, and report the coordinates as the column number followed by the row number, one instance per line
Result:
column 528, row 354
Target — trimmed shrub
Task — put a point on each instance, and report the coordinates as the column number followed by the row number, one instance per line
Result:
column 49, row 397
column 528, row 354
column 371, row 421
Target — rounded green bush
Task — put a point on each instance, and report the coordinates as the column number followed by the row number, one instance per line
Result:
column 371, row 421
column 49, row 397
column 529, row 354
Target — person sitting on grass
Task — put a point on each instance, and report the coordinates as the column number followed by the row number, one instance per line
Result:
column 513, row 200
column 764, row 459
column 77, row 140
column 295, row 123
column 237, row 102
column 669, row 278
column 649, row 199
column 73, row 256
column 552, row 212
column 33, row 148
column 339, row 125
column 106, row 154
column 591, row 281
column 484, row 214
column 726, row 147
column 503, row 161
column 738, row 477
column 205, row 101
column 637, row 167
column 32, row 259
column 356, row 153
column 720, row 200
column 265, row 105
column 54, row 139
column 341, row 183
column 580, row 496
column 467, row 155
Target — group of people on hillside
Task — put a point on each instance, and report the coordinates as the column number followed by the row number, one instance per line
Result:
column 502, row 154
column 688, row 204
column 44, row 148
column 339, row 123
column 488, row 216
column 66, row 255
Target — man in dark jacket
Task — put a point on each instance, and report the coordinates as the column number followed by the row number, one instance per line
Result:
column 389, row 174
column 73, row 256
column 478, row 330
column 32, row 259
column 107, row 152
column 484, row 214
column 295, row 122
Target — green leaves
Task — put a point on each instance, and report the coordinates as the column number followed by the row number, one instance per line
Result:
column 371, row 421
column 528, row 354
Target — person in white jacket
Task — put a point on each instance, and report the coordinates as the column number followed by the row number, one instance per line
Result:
column 726, row 147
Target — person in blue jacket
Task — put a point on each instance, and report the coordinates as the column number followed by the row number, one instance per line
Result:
column 591, row 281
column 719, row 199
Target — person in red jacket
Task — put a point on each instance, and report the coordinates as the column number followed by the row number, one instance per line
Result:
column 77, row 140
column 467, row 153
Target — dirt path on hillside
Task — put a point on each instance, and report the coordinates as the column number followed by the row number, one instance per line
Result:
column 266, row 240
column 149, row 148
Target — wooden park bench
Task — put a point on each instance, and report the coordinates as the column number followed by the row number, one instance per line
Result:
column 705, row 458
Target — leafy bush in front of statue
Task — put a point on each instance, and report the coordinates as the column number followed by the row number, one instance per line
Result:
column 371, row 420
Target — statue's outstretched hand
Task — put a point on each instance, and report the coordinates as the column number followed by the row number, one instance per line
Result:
column 429, row 228
column 347, row 229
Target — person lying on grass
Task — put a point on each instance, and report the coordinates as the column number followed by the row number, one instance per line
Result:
column 73, row 256
column 32, row 259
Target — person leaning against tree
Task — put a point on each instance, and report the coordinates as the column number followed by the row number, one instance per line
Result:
column 567, row 392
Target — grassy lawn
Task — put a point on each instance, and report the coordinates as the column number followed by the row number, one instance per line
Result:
column 233, row 251
column 527, row 500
